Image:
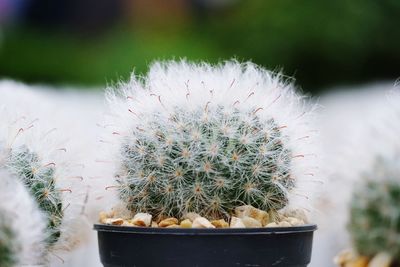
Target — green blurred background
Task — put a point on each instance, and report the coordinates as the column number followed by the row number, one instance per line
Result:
column 95, row 42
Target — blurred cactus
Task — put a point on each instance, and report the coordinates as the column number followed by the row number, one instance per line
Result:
column 187, row 147
column 34, row 149
column 375, row 213
column 40, row 182
column 8, row 248
column 21, row 224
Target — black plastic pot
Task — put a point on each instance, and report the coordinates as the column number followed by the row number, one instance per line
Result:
column 171, row 247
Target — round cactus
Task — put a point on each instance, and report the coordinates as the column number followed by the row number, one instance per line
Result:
column 33, row 148
column 21, row 224
column 205, row 161
column 40, row 181
column 375, row 213
column 206, row 139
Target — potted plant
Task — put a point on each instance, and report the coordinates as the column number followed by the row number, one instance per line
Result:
column 374, row 212
column 213, row 165
column 39, row 206
column 374, row 223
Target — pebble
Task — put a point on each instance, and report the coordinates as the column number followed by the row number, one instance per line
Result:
column 251, row 222
column 191, row 216
column 116, row 221
column 142, row 219
column 343, row 257
column 186, row 223
column 294, row 221
column 236, row 223
column 128, row 223
column 245, row 217
column 296, row 213
column 167, row 222
column 252, row 212
column 173, row 226
column 359, row 262
column 273, row 224
column 220, row 223
column 105, row 215
column 284, row 224
column 348, row 258
column 201, row 222
column 382, row 259
column 102, row 217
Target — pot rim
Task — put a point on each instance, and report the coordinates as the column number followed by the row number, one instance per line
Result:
column 205, row 231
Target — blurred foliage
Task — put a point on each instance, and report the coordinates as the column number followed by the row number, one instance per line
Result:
column 42, row 57
column 321, row 43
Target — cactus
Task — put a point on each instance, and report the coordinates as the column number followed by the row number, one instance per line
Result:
column 375, row 213
column 40, row 182
column 374, row 223
column 205, row 165
column 35, row 150
column 21, row 224
column 207, row 139
column 8, row 249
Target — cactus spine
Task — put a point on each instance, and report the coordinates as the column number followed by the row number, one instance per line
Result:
column 206, row 139
column 375, row 213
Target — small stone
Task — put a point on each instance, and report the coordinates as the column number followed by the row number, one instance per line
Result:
column 294, row 221
column 284, row 224
column 344, row 257
column 382, row 259
column 236, row 223
column 220, row 223
column 113, row 221
column 103, row 216
column 361, row 261
column 250, row 211
column 296, row 213
column 357, row 262
column 191, row 216
column 112, row 214
column 167, row 222
column 273, row 224
column 201, row 222
column 117, row 221
column 173, row 226
column 128, row 223
column 141, row 219
column 186, row 223
column 251, row 222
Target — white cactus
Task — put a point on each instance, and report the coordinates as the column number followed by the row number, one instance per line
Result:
column 22, row 224
column 208, row 138
column 36, row 152
column 359, row 126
